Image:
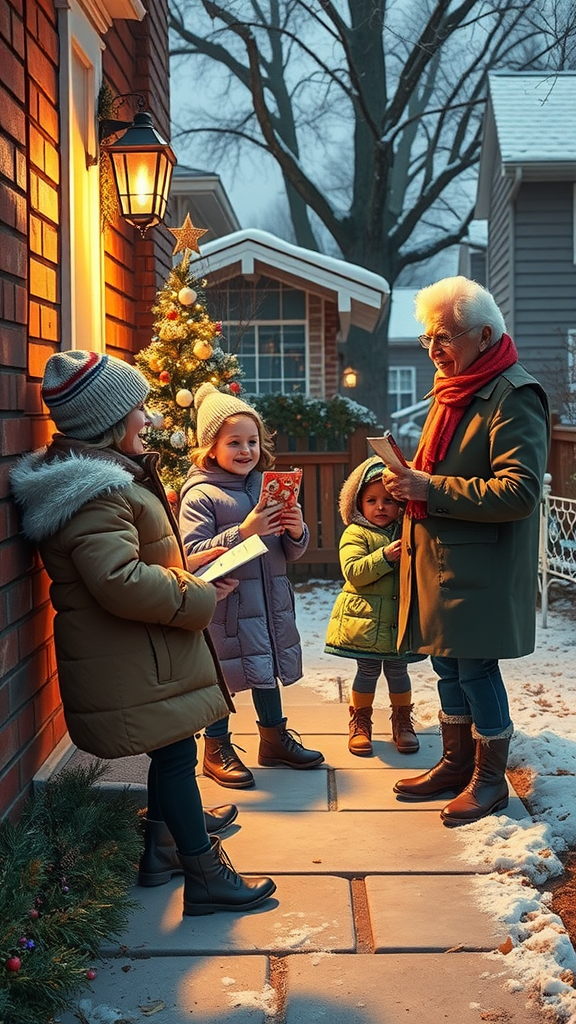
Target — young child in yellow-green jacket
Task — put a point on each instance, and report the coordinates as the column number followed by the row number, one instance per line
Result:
column 364, row 620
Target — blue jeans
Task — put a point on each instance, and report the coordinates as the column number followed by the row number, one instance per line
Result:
column 473, row 686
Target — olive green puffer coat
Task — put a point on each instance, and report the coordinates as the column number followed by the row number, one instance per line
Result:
column 364, row 620
column 136, row 670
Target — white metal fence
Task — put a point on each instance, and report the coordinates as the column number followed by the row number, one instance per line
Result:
column 557, row 543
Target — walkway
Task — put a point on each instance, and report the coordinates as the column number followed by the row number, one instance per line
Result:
column 374, row 919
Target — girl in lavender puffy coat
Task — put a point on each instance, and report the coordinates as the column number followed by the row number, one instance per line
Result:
column 254, row 628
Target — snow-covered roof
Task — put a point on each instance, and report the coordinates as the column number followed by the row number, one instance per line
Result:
column 530, row 121
column 361, row 296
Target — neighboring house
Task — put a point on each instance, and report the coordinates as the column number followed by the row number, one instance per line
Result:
column 527, row 192
column 63, row 284
column 284, row 309
column 202, row 195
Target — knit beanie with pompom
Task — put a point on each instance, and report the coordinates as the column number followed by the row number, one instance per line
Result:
column 213, row 407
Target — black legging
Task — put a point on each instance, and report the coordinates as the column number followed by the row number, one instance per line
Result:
column 174, row 797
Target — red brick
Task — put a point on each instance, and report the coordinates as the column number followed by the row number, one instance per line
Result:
column 33, row 405
column 27, row 679
column 13, row 254
column 26, row 725
column 8, row 652
column 36, row 753
column 48, row 117
column 18, row 36
column 48, row 38
column 46, row 701
column 35, row 632
column 13, row 117
column 13, row 211
column 8, row 742
column 9, row 790
column 7, row 165
column 42, row 71
column 15, row 437
column 49, row 323
column 21, row 170
column 21, row 304
column 42, row 281
column 4, row 701
column 12, row 73
column 19, row 600
column 5, row 22
column 16, row 559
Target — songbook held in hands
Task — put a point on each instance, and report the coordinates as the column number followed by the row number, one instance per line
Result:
column 388, row 450
column 281, row 486
column 232, row 559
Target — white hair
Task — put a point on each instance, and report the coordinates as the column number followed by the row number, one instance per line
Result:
column 469, row 303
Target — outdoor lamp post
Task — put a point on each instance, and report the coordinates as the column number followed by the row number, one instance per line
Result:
column 142, row 164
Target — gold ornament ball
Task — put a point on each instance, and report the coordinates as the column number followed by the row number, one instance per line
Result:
column 154, row 365
column 202, row 350
column 186, row 296
column 184, row 398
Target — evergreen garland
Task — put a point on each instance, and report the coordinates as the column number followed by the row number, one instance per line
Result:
column 331, row 420
column 185, row 352
column 65, row 871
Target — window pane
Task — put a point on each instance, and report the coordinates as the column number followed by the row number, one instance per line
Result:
column 267, row 302
column 268, row 343
column 293, row 304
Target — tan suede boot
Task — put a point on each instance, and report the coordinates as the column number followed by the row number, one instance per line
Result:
column 360, row 731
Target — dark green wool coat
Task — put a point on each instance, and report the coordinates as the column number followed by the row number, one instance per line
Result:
column 468, row 572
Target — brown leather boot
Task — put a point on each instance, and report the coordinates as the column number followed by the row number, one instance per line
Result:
column 487, row 791
column 221, row 763
column 211, row 883
column 453, row 772
column 403, row 733
column 279, row 746
column 360, row 731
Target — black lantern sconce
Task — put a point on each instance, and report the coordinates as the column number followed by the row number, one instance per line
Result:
column 142, row 164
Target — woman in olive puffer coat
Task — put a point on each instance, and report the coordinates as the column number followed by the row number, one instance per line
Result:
column 136, row 669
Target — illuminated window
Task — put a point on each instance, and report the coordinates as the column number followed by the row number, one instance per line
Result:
column 265, row 326
column 401, row 387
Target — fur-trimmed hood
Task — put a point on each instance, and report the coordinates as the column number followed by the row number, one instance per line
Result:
column 51, row 484
column 347, row 502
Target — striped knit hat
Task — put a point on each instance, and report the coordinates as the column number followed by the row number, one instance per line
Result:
column 88, row 392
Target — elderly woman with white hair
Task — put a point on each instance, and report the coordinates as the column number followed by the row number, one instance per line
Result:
column 468, row 572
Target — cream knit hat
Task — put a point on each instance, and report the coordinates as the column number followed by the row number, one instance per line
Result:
column 88, row 392
column 213, row 407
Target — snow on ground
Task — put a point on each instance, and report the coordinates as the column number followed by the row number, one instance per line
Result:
column 538, row 955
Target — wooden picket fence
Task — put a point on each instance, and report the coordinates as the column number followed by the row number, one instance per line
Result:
column 323, row 474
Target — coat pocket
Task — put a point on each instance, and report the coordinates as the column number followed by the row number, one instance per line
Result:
column 466, row 553
column 359, row 618
column 160, row 651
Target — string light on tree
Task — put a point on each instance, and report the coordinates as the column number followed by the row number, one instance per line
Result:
column 185, row 352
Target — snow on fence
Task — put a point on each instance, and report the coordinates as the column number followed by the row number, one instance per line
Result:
column 557, row 543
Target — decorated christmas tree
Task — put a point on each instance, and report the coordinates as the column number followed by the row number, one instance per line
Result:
column 185, row 352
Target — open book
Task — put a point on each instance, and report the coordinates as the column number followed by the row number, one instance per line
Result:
column 388, row 450
column 232, row 559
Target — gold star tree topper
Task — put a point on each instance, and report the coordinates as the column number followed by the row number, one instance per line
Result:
column 187, row 236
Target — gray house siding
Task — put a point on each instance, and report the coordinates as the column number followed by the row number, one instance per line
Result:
column 545, row 280
column 499, row 267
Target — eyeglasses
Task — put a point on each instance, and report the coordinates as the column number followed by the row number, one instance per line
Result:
column 426, row 341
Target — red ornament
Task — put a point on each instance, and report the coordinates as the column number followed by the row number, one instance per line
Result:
column 91, row 974
column 235, row 388
column 172, row 315
column 164, row 377
column 218, row 327
column 33, row 914
column 13, row 963
column 172, row 496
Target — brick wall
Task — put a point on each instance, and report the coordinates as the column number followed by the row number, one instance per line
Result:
column 31, row 719
column 331, row 364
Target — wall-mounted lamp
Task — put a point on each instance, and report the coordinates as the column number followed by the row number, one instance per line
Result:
column 142, row 164
column 349, row 377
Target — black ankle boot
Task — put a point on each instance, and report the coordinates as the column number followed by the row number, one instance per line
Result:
column 210, row 884
column 160, row 861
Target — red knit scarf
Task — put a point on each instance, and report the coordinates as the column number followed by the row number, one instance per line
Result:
column 451, row 397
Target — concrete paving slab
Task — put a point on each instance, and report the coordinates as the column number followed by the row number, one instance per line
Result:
column 276, row 789
column 373, row 791
column 354, row 843
column 453, row 988
column 181, row 990
column 318, row 719
column 337, row 755
column 429, row 914
column 305, row 913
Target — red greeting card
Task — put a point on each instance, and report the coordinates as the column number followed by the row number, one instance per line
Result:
column 281, row 486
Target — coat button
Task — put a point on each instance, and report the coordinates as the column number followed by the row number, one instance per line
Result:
column 394, row 597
